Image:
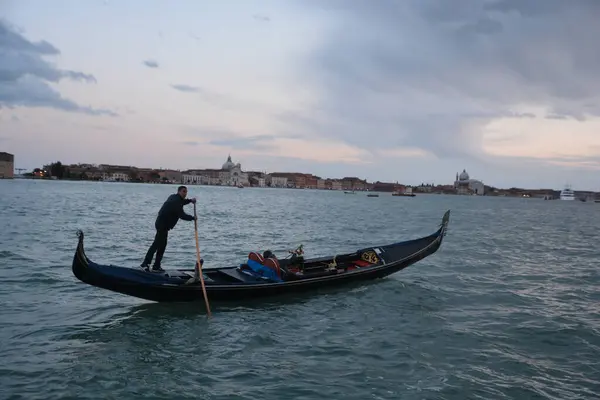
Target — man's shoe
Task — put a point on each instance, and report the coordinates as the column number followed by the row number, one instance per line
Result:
column 157, row 268
column 145, row 267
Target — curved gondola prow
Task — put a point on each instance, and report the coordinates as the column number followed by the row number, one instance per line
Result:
column 80, row 260
column 435, row 244
column 443, row 230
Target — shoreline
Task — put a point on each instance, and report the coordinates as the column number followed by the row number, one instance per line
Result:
column 514, row 193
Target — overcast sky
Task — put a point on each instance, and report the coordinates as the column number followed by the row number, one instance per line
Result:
column 409, row 90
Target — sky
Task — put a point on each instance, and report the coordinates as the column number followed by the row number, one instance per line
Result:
column 412, row 91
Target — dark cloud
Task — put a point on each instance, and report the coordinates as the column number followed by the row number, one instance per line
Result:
column 25, row 74
column 151, row 64
column 432, row 73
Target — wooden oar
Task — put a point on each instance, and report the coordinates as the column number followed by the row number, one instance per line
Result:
column 198, row 260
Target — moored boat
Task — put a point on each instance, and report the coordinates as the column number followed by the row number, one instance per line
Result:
column 567, row 193
column 237, row 283
column 407, row 192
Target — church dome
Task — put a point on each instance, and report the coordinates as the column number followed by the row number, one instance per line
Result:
column 228, row 164
column 464, row 176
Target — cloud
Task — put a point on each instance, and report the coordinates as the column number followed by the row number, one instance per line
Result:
column 222, row 137
column 227, row 102
column 206, row 134
column 557, row 116
column 249, row 142
column 589, row 163
column 12, row 118
column 194, row 36
column 261, row 17
column 150, row 63
column 404, row 152
column 25, row 75
column 293, row 146
column 185, row 88
column 432, row 74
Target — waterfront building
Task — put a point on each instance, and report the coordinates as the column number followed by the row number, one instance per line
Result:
column 465, row 185
column 170, row 175
column 230, row 174
column 233, row 174
column 277, row 181
column 7, row 165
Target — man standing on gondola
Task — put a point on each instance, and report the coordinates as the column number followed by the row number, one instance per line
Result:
column 170, row 212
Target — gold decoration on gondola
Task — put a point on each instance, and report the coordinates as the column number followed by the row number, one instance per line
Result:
column 370, row 256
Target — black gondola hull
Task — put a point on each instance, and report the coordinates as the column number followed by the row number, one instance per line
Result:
column 231, row 284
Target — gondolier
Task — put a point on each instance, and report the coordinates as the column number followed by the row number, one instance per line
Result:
column 170, row 212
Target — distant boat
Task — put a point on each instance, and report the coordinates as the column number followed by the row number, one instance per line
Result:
column 567, row 193
column 372, row 195
column 352, row 192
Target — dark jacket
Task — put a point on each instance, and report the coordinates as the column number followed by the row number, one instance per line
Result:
column 171, row 211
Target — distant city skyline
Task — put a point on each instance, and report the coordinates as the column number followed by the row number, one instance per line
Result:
column 231, row 174
column 411, row 93
column 409, row 181
column 461, row 178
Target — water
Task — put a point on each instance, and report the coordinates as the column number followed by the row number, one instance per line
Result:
column 507, row 308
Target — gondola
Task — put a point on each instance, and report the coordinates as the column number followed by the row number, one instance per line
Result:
column 237, row 283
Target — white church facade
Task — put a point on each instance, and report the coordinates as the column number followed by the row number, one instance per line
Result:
column 230, row 174
column 465, row 185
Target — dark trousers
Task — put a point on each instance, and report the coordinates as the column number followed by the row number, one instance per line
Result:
column 158, row 246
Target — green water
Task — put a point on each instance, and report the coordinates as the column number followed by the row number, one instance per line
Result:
column 507, row 308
